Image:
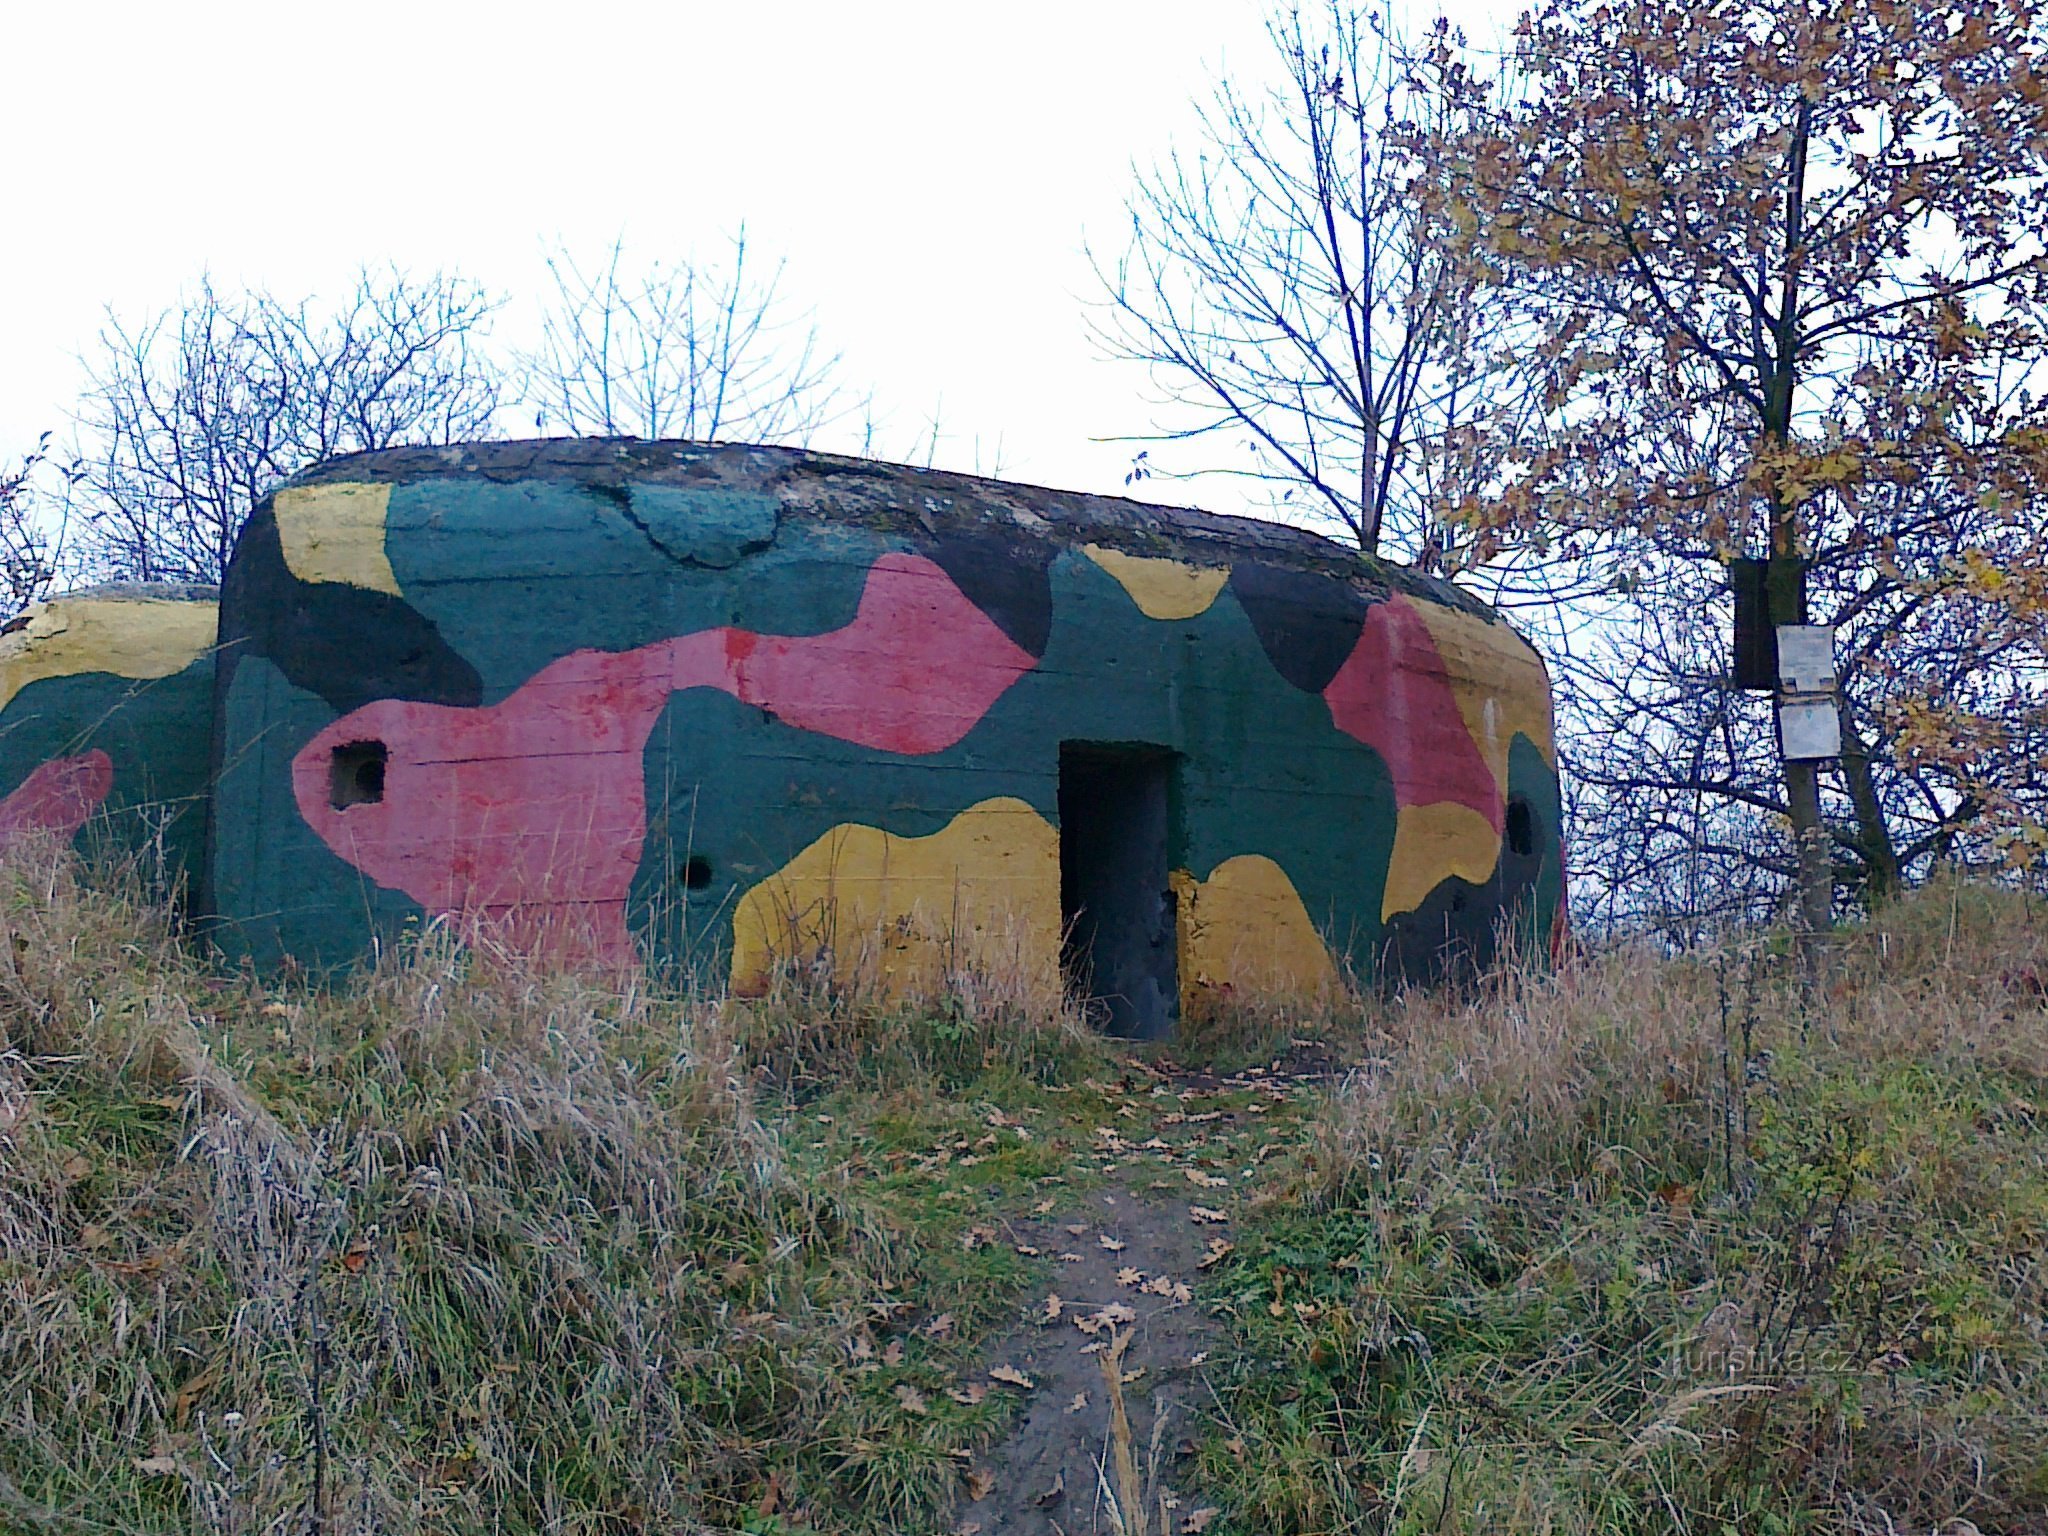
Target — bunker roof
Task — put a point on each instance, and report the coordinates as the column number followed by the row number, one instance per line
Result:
column 832, row 488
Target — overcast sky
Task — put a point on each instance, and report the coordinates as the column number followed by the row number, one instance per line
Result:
column 928, row 170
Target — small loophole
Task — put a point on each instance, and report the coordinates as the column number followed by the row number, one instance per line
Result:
column 356, row 774
column 696, row 873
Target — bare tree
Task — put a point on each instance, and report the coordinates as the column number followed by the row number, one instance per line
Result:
column 680, row 349
column 31, row 533
column 193, row 415
column 1304, row 316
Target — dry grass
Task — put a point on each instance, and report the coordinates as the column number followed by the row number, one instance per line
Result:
column 814, row 1025
column 462, row 1246
column 1690, row 1246
column 1697, row 1245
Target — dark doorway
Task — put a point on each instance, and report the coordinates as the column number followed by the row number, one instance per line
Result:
column 1116, row 812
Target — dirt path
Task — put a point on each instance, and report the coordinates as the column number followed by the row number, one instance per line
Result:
column 1127, row 1260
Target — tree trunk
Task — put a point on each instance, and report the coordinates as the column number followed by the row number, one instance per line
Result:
column 1779, row 374
column 1816, row 854
column 1873, row 834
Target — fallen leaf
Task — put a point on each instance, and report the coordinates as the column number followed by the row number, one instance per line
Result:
column 1205, row 1180
column 1070, row 1258
column 1043, row 1208
column 1113, row 1244
column 1080, row 1402
column 970, row 1394
column 1027, row 1250
column 977, row 1237
column 157, row 1466
column 980, row 1484
column 1076, row 1228
column 1204, row 1213
column 77, row 1166
column 1128, row 1276
column 939, row 1327
column 911, row 1398
column 893, row 1355
column 1199, row 1520
column 1218, row 1247
column 1053, row 1307
column 1010, row 1376
column 90, row 1236
column 1199, row 1357
column 191, row 1392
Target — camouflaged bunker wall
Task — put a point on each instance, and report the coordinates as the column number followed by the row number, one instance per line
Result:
column 106, row 707
column 737, row 708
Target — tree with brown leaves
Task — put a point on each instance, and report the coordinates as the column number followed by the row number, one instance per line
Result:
column 1785, row 262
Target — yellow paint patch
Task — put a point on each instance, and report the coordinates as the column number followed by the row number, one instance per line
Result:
column 1245, row 928
column 1162, row 589
column 336, row 533
column 1432, row 843
column 1499, row 682
column 138, row 637
column 980, row 894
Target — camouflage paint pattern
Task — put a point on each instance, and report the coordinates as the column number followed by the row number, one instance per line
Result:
column 105, row 710
column 718, row 707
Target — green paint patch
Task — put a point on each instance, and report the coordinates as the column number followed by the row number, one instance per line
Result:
column 704, row 527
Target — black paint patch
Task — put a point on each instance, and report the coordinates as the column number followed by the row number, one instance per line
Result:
column 1007, row 578
column 347, row 644
column 1461, row 929
column 1307, row 624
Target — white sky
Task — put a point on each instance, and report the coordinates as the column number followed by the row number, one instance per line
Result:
column 928, row 170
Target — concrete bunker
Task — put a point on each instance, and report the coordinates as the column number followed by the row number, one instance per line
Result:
column 105, row 724
column 740, row 712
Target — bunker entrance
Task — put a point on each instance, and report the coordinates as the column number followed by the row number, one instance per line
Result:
column 1116, row 809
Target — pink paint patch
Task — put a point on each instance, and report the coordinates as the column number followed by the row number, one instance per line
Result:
column 1394, row 694
column 58, row 797
column 528, row 816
